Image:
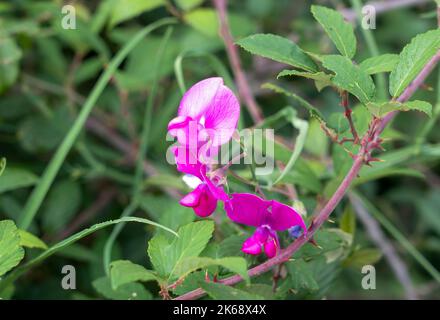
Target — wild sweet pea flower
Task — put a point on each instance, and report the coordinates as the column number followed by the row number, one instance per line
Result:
column 207, row 118
column 269, row 216
column 208, row 111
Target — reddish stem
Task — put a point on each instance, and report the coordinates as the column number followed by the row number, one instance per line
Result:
column 348, row 112
column 369, row 142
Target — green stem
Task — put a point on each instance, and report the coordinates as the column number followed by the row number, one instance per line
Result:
column 372, row 47
column 38, row 194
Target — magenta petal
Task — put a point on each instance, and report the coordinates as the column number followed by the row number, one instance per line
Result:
column 199, row 97
column 248, row 209
column 282, row 217
column 271, row 248
column 252, row 246
column 207, row 205
column 222, row 116
column 192, row 199
column 187, row 161
column 201, row 200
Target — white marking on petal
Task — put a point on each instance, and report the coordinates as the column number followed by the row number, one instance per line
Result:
column 191, row 181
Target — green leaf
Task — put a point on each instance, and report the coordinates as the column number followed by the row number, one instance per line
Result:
column 192, row 239
column 129, row 291
column 379, row 64
column 348, row 221
column 219, row 291
column 322, row 79
column 123, row 11
column 302, row 276
column 412, row 59
column 10, row 54
column 11, row 253
column 203, row 20
column 2, row 165
column 279, row 49
column 362, row 257
column 339, row 31
column 350, row 77
column 15, row 178
column 62, row 203
column 28, row 240
column 235, row 264
column 188, row 4
column 124, row 271
column 381, row 109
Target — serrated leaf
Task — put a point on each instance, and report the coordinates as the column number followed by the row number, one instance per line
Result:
column 382, row 63
column 124, row 271
column 322, row 79
column 129, row 291
column 412, row 59
column 123, row 11
column 28, row 240
column 191, row 241
column 278, row 49
column 301, row 275
column 235, row 264
column 340, row 31
column 219, row 291
column 11, row 253
column 15, row 178
column 381, row 109
column 350, row 77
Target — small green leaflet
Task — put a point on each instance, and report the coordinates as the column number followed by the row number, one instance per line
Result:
column 15, row 178
column 379, row 64
column 381, row 109
column 362, row 257
column 192, row 239
column 339, row 31
column 124, row 271
column 350, row 77
column 28, row 240
column 322, row 79
column 11, row 253
column 278, row 49
column 412, row 59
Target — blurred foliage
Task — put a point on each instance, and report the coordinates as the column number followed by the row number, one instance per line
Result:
column 46, row 74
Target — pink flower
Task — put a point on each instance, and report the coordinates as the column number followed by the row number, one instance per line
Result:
column 269, row 216
column 207, row 118
column 208, row 111
column 203, row 199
